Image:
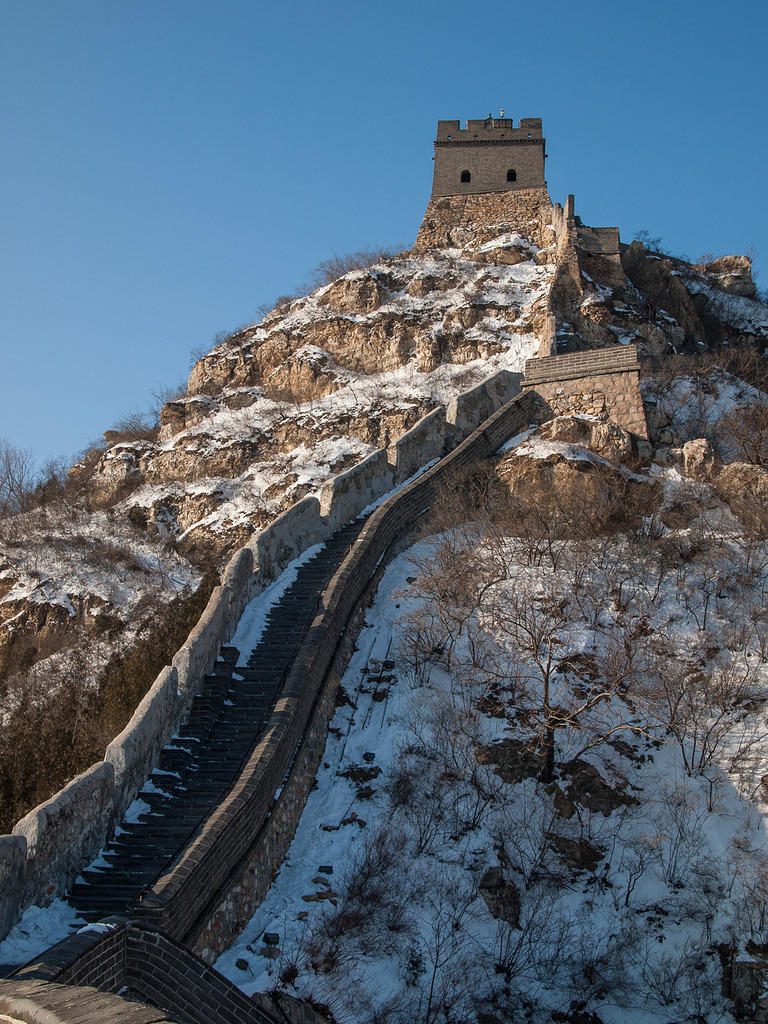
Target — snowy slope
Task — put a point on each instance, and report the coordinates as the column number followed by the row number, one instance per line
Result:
column 379, row 902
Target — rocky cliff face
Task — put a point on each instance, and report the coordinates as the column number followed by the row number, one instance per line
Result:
column 281, row 406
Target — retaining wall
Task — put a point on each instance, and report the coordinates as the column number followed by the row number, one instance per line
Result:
column 295, row 530
column 13, row 862
column 451, row 220
column 344, row 497
column 472, row 407
column 51, row 844
column 425, row 441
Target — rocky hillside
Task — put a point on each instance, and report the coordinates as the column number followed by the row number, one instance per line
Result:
column 268, row 416
column 525, row 794
column 279, row 407
column 543, row 796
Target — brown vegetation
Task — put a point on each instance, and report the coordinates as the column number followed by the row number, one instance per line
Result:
column 51, row 735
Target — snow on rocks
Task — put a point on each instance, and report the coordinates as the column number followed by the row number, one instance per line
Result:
column 737, row 310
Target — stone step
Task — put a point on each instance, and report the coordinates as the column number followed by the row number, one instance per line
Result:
column 202, row 763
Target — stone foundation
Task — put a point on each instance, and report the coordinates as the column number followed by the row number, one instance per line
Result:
column 453, row 221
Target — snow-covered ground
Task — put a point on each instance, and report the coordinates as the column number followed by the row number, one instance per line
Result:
column 41, row 927
column 731, row 414
column 53, row 560
column 626, row 883
column 282, row 474
column 37, row 930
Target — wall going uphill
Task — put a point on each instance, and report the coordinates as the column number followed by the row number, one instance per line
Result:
column 208, row 894
column 51, row 844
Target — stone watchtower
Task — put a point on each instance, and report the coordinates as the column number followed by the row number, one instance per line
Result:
column 488, row 173
column 488, row 156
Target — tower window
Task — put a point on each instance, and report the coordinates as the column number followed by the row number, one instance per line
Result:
column 465, row 176
column 511, row 175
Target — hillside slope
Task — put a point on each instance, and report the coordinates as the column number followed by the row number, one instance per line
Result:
column 269, row 415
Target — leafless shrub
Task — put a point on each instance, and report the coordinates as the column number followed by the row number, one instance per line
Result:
column 744, row 430
column 538, row 944
column 161, row 395
column 338, row 265
column 452, row 578
column 447, row 984
column 544, row 519
column 326, row 272
column 750, row 893
column 680, row 974
column 676, row 840
column 706, row 706
column 134, row 426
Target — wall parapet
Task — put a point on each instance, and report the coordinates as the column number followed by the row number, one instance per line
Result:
column 575, row 365
column 63, row 982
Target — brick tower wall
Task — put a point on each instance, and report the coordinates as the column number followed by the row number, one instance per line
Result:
column 488, row 150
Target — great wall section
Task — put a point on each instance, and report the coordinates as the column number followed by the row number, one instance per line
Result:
column 181, row 887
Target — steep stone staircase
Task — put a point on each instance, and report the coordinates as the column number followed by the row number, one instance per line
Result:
column 204, row 760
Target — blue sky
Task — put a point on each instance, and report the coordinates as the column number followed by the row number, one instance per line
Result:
column 169, row 166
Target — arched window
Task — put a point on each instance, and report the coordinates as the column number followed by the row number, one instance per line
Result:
column 465, row 176
column 511, row 175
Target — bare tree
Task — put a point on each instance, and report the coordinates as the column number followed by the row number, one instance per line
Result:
column 338, row 265
column 16, row 478
column 706, row 707
column 744, row 430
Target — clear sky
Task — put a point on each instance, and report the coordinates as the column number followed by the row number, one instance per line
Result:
column 170, row 165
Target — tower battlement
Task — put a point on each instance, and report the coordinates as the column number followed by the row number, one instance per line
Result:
column 503, row 128
column 489, row 155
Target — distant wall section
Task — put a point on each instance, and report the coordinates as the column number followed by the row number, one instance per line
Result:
column 601, row 382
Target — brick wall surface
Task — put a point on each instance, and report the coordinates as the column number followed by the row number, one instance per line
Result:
column 573, row 365
column 153, row 968
column 601, row 382
column 488, row 149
